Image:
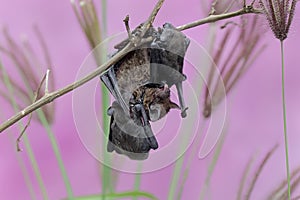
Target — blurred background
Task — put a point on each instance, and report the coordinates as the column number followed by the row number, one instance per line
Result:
column 254, row 119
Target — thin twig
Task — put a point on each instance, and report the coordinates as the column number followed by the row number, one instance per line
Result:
column 30, row 115
column 213, row 18
column 47, row 82
column 126, row 21
column 60, row 92
column 213, row 9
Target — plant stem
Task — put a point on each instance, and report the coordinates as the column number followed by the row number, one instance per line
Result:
column 106, row 171
column 175, row 177
column 137, row 180
column 121, row 195
column 57, row 154
column 284, row 123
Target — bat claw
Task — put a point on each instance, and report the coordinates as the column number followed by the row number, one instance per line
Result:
column 110, row 111
column 183, row 112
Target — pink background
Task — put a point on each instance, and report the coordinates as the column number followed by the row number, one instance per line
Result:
column 255, row 110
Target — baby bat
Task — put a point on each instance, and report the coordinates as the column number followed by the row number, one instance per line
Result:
column 140, row 84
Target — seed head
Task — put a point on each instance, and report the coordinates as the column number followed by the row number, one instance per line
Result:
column 279, row 14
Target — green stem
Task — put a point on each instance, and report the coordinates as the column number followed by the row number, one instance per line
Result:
column 176, row 174
column 212, row 165
column 53, row 142
column 175, row 178
column 120, row 195
column 34, row 165
column 284, row 123
column 137, row 180
column 106, row 171
column 107, row 185
column 56, row 150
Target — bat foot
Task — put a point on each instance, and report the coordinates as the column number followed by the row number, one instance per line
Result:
column 183, row 112
column 110, row 147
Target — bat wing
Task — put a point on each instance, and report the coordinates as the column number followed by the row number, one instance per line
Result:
column 109, row 79
column 167, row 56
column 128, row 136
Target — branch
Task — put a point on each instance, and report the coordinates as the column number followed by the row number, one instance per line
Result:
column 213, row 18
column 48, row 98
column 30, row 115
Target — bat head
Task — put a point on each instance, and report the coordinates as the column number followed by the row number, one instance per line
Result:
column 156, row 100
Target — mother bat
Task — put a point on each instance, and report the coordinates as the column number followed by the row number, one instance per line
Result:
column 140, row 83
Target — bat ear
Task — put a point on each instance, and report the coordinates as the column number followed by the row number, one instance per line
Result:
column 174, row 105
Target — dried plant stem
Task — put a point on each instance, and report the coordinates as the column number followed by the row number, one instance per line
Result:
column 285, row 124
column 58, row 93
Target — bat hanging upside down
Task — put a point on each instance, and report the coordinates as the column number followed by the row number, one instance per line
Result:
column 140, row 83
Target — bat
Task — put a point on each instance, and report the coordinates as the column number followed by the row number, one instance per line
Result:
column 127, row 132
column 140, row 83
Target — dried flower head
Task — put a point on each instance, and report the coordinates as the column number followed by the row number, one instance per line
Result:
column 279, row 14
column 30, row 70
column 234, row 64
column 87, row 17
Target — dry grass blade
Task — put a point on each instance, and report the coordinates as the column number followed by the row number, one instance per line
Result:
column 294, row 185
column 240, row 56
column 22, row 62
column 27, row 62
column 258, row 171
column 19, row 91
column 244, row 178
column 277, row 191
column 88, row 19
column 211, row 76
column 46, row 54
